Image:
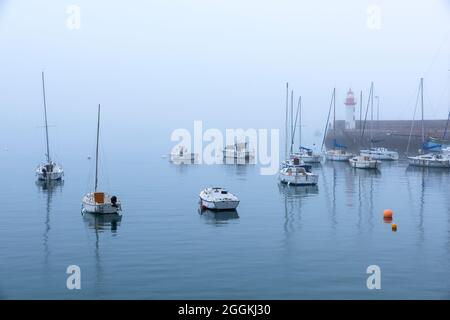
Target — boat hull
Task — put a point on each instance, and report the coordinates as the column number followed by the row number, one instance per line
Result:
column 311, row 159
column 427, row 163
column 219, row 205
column 364, row 164
column 338, row 157
column 90, row 206
column 299, row 180
column 57, row 173
column 381, row 156
column 231, row 154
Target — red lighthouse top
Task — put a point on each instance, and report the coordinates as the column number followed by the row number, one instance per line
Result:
column 350, row 100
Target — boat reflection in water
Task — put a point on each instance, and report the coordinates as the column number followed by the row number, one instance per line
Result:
column 48, row 188
column 102, row 222
column 218, row 217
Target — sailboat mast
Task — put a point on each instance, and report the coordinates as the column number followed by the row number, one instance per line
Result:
column 300, row 122
column 371, row 114
column 334, row 114
column 292, row 121
column 45, row 115
column 421, row 98
column 96, row 152
column 286, row 121
column 360, row 111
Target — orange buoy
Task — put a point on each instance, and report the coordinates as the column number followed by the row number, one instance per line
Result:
column 394, row 227
column 388, row 213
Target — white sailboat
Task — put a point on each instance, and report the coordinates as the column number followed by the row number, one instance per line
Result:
column 48, row 171
column 430, row 160
column 293, row 170
column 238, row 151
column 96, row 201
column 182, row 154
column 376, row 153
column 305, row 154
column 338, row 153
column 364, row 162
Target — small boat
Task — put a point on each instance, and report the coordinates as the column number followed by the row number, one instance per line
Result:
column 432, row 160
column 182, row 154
column 338, row 155
column 308, row 156
column 96, row 201
column 218, row 199
column 238, row 151
column 48, row 171
column 380, row 153
column 364, row 162
column 297, row 176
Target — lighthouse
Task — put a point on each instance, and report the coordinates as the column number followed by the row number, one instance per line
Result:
column 350, row 110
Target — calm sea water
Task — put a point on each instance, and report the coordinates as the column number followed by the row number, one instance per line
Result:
column 283, row 243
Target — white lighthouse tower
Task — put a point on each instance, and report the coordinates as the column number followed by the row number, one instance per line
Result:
column 350, row 110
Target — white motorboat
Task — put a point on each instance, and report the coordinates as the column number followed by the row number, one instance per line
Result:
column 297, row 176
column 96, row 201
column 218, row 199
column 182, row 154
column 338, row 155
column 238, row 151
column 364, row 162
column 432, row 160
column 49, row 170
column 380, row 153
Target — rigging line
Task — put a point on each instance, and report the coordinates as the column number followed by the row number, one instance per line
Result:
column 327, row 125
column 367, row 111
column 444, row 41
column 296, row 118
column 414, row 118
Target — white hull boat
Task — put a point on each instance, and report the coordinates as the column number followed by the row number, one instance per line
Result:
column 380, row 154
column 218, row 199
column 308, row 156
column 338, row 155
column 297, row 176
column 97, row 202
column 431, row 160
column 238, row 151
column 182, row 154
column 49, row 172
column 364, row 162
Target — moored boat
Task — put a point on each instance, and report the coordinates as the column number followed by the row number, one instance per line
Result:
column 364, row 162
column 218, row 199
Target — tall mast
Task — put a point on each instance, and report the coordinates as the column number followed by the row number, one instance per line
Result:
column 292, row 121
column 360, row 111
column 421, row 99
column 45, row 114
column 96, row 152
column 334, row 114
column 286, row 122
column 371, row 113
column 300, row 122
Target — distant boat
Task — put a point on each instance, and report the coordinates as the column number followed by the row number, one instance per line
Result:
column 297, row 176
column 96, row 201
column 182, row 154
column 49, row 170
column 338, row 153
column 430, row 160
column 238, row 151
column 380, row 153
column 218, row 199
column 364, row 162
column 376, row 153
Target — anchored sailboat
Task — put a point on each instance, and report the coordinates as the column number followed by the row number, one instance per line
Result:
column 376, row 153
column 99, row 202
column 430, row 160
column 48, row 171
